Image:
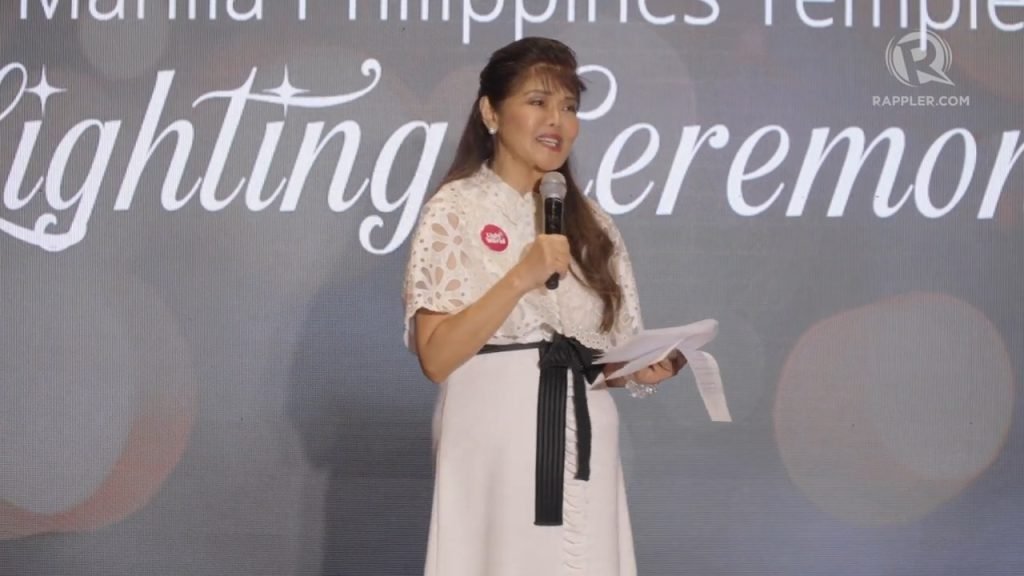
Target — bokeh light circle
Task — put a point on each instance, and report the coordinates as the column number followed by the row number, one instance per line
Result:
column 122, row 49
column 98, row 395
column 885, row 412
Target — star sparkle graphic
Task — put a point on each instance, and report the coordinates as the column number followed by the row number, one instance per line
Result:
column 43, row 90
column 286, row 91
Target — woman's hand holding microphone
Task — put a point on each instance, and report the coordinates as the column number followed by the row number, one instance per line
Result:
column 547, row 255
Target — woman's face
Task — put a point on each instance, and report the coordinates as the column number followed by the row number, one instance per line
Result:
column 537, row 126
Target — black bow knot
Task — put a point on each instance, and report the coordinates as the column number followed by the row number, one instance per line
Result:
column 567, row 352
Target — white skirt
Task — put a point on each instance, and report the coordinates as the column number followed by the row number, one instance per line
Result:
column 485, row 430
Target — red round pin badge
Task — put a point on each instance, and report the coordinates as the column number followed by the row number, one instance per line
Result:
column 494, row 238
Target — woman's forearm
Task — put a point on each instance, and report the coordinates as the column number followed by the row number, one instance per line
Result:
column 445, row 341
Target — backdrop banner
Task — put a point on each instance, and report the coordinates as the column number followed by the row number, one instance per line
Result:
column 205, row 217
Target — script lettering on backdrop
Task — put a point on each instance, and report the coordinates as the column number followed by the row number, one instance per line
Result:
column 64, row 219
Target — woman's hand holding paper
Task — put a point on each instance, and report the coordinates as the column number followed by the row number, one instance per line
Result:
column 659, row 371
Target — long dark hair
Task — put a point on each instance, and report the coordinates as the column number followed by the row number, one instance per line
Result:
column 589, row 244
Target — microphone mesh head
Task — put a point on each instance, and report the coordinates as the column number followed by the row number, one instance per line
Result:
column 552, row 185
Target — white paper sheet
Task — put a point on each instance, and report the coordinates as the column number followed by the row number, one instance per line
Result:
column 652, row 346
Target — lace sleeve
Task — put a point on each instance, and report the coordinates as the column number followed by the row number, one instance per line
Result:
column 437, row 276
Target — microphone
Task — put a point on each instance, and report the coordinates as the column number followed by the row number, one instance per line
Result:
column 552, row 190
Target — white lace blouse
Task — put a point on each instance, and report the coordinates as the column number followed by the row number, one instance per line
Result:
column 472, row 232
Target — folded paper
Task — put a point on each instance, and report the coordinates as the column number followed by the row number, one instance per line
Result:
column 652, row 346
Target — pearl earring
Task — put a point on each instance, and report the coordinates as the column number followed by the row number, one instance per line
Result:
column 492, row 131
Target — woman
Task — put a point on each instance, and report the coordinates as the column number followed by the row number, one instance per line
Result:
column 528, row 478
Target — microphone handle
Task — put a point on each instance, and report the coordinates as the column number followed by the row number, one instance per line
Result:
column 552, row 225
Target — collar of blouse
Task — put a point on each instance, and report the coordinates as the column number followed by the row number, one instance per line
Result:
column 515, row 206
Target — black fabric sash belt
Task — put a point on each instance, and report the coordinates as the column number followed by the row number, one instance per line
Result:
column 555, row 357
